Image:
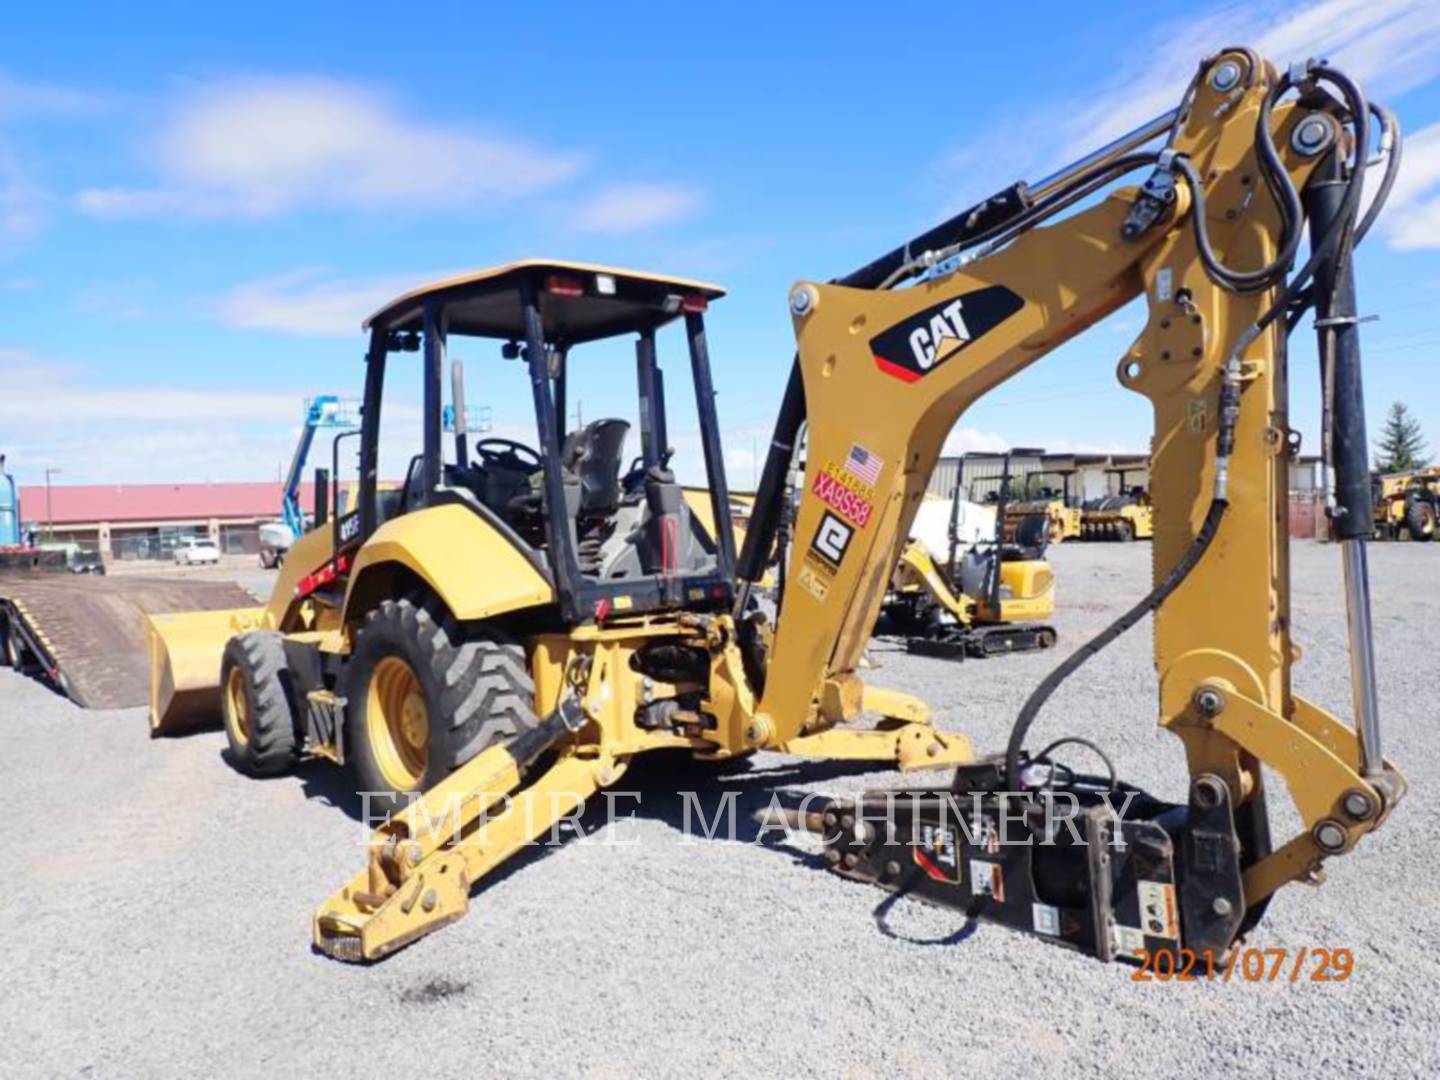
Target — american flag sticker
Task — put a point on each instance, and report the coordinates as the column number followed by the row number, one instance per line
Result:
column 864, row 466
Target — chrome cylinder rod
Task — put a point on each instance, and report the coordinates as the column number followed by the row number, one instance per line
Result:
column 1362, row 654
column 1151, row 129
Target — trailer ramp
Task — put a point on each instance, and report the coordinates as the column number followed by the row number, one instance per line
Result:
column 88, row 633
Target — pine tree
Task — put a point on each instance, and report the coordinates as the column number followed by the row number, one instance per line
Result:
column 1401, row 447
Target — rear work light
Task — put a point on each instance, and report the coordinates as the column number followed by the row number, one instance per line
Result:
column 564, row 286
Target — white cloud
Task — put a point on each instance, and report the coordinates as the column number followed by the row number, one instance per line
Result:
column 261, row 147
column 84, row 404
column 20, row 97
column 1412, row 218
column 23, row 201
column 301, row 303
column 632, row 207
column 1390, row 46
column 140, row 433
column 962, row 440
column 22, row 204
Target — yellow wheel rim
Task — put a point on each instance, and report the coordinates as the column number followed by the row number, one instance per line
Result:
column 397, row 723
column 237, row 706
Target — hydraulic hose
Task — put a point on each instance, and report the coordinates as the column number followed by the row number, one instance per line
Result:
column 1335, row 244
column 1072, row 663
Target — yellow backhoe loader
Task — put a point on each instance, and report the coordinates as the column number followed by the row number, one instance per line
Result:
column 437, row 613
column 983, row 599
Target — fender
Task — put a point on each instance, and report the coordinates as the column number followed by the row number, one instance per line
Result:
column 467, row 562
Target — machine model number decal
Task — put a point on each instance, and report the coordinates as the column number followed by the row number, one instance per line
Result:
column 832, row 539
column 912, row 349
column 814, row 577
column 1195, row 416
column 841, row 497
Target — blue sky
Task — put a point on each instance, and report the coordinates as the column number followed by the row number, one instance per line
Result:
column 198, row 206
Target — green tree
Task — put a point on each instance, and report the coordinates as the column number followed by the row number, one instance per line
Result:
column 1401, row 447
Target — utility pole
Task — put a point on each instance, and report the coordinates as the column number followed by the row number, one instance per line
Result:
column 49, row 513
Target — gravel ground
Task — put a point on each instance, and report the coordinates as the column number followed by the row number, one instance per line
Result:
column 160, row 924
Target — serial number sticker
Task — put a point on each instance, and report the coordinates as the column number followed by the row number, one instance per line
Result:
column 830, row 487
column 1046, row 919
column 1157, row 909
column 987, row 879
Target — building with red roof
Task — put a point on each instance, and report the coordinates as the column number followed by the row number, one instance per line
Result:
column 137, row 521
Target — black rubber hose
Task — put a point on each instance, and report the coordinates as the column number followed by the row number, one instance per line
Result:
column 1390, row 126
column 1335, row 240
column 1287, row 200
column 1157, row 596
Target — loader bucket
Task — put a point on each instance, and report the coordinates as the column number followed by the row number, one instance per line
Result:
column 185, row 652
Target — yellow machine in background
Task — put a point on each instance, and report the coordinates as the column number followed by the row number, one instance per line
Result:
column 1407, row 504
column 1060, row 507
column 527, row 641
column 983, row 599
column 1125, row 516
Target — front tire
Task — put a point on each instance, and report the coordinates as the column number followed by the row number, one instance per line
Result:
column 257, row 701
column 1420, row 520
column 425, row 696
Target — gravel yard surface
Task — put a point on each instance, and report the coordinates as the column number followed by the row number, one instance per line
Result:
column 160, row 922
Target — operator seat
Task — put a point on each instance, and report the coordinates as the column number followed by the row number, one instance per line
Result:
column 591, row 458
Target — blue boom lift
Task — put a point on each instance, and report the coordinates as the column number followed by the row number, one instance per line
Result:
column 323, row 411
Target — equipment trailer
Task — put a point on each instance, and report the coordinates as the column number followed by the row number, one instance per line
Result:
column 85, row 635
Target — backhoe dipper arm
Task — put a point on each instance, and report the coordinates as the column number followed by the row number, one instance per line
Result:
column 884, row 374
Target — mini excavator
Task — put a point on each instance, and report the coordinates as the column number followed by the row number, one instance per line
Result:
column 981, row 599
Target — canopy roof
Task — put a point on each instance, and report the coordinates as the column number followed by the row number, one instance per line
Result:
column 578, row 301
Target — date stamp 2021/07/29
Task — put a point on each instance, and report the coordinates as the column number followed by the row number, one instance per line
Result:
column 1308, row 963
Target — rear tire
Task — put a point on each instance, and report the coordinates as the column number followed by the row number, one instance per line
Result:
column 14, row 653
column 257, row 701
column 425, row 696
column 1124, row 532
column 1420, row 520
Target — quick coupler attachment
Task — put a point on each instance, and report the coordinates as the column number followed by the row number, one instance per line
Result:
column 1102, row 868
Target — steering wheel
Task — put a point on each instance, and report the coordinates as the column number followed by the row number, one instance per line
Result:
column 508, row 452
